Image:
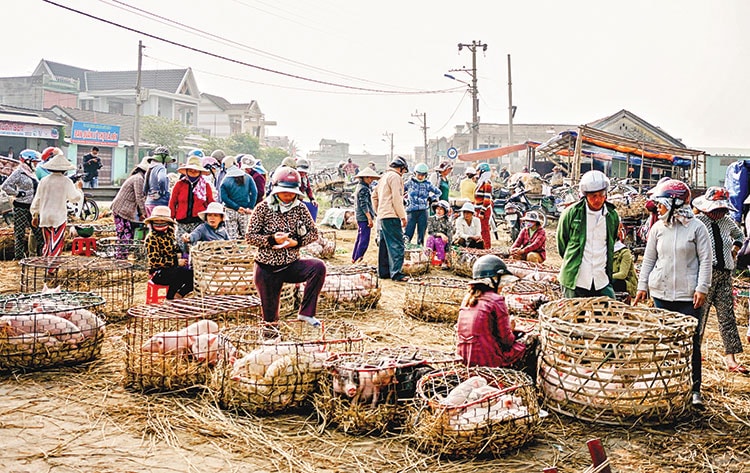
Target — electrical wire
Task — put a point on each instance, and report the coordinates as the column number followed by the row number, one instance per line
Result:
column 254, row 66
column 460, row 102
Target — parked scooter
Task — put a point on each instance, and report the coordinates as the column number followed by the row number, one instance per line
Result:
column 522, row 205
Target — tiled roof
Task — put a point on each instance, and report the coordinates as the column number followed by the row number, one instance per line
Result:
column 168, row 80
column 72, row 72
column 220, row 102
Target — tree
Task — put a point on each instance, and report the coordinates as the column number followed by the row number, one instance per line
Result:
column 272, row 157
column 162, row 132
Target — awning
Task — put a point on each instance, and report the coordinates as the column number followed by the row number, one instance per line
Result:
column 493, row 153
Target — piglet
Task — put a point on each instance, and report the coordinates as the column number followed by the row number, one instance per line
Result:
column 179, row 342
column 363, row 386
column 63, row 330
column 89, row 323
column 209, row 346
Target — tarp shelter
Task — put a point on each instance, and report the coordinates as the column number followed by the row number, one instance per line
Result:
column 573, row 148
column 493, row 153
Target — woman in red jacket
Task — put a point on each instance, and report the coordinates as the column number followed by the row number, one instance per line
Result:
column 190, row 196
column 485, row 335
column 530, row 244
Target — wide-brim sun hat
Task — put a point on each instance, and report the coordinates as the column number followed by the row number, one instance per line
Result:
column 161, row 213
column 228, row 162
column 58, row 163
column 444, row 165
column 467, row 207
column 234, row 171
column 248, row 161
column 193, row 163
column 213, row 208
column 715, row 198
column 368, row 172
column 144, row 164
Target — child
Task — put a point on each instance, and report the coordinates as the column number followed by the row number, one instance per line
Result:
column 212, row 228
column 165, row 264
column 420, row 192
column 363, row 212
column 440, row 231
column 49, row 207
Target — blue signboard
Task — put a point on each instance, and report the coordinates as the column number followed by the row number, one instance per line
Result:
column 95, row 134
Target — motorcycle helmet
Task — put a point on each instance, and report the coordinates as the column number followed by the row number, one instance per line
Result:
column 677, row 191
column 421, row 169
column 303, row 165
column 209, row 162
column 286, row 179
column 49, row 152
column 196, row 152
column 487, row 270
column 483, row 167
column 30, row 156
column 399, row 162
column 470, row 171
column 593, row 181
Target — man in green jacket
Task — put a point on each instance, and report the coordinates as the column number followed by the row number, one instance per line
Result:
column 586, row 238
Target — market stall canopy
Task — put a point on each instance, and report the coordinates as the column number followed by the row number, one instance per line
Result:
column 493, row 153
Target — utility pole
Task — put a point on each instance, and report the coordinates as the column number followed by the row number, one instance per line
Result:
column 511, row 108
column 137, row 123
column 422, row 117
column 390, row 138
column 473, row 87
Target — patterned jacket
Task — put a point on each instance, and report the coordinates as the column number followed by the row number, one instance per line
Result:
column 419, row 194
column 483, row 195
column 267, row 220
column 442, row 225
column 130, row 203
column 731, row 235
column 20, row 181
column 162, row 250
column 535, row 242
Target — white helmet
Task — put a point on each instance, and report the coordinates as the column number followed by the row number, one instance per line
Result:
column 470, row 171
column 593, row 181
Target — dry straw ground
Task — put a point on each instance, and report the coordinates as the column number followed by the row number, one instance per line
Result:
column 81, row 419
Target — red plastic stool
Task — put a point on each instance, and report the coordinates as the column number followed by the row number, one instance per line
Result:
column 155, row 293
column 83, row 246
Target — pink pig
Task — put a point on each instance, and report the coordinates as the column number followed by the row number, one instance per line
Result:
column 208, row 346
column 63, row 330
column 363, row 385
column 179, row 342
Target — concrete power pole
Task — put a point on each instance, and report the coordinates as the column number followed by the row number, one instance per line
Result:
column 390, row 139
column 422, row 117
column 511, row 108
column 474, row 91
column 137, row 123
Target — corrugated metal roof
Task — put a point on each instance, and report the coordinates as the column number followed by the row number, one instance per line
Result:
column 168, row 80
column 30, row 119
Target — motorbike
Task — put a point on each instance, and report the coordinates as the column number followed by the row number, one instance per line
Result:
column 522, row 205
column 88, row 209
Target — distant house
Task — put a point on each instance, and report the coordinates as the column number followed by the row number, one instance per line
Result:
column 630, row 125
column 221, row 118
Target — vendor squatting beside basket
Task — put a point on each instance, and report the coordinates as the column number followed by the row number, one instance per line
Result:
column 277, row 366
column 604, row 361
column 351, row 288
column 227, row 267
column 474, row 411
column 369, row 393
column 434, row 299
column 49, row 329
column 462, row 259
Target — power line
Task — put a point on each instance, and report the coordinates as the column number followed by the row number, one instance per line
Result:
column 254, row 66
column 460, row 102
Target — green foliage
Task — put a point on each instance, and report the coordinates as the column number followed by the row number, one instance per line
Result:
column 160, row 131
column 243, row 143
column 215, row 143
column 271, row 157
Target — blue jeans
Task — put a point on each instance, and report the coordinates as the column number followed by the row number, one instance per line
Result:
column 418, row 219
column 391, row 248
column 686, row 307
column 92, row 184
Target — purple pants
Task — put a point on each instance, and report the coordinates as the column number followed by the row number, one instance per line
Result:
column 362, row 241
column 269, row 280
column 436, row 243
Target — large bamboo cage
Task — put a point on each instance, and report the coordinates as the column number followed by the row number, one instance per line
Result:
column 104, row 230
column 741, row 292
column 370, row 393
column 277, row 366
column 111, row 279
column 433, row 299
column 523, row 298
column 607, row 362
column 227, row 267
column 477, row 411
column 7, row 241
column 630, row 206
column 417, row 260
column 148, row 367
column 133, row 251
column 348, row 289
column 324, row 247
column 532, row 271
column 462, row 259
column 326, row 181
column 49, row 329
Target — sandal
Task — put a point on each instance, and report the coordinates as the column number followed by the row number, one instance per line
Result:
column 738, row 368
column 400, row 278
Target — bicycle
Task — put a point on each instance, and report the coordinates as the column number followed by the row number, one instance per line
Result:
column 88, row 210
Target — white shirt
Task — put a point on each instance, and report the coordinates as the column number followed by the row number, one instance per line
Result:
column 594, row 262
column 51, row 197
column 464, row 230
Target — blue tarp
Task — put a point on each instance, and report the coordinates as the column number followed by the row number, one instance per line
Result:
column 737, row 184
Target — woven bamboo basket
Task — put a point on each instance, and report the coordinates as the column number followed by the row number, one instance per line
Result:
column 153, row 371
column 348, row 288
column 111, row 279
column 227, row 268
column 489, row 423
column 416, row 260
column 324, row 247
column 370, row 393
column 462, row 259
column 133, row 251
column 532, row 271
column 278, row 366
column 630, row 206
column 523, row 298
column 741, row 291
column 434, row 299
column 7, row 240
column 43, row 330
column 607, row 362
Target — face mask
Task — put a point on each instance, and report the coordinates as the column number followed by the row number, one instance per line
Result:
column 527, row 224
column 162, row 227
column 421, row 177
column 194, row 179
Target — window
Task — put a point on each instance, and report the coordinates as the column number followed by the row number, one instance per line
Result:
column 115, row 107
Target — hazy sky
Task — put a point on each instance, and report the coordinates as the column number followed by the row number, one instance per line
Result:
column 680, row 64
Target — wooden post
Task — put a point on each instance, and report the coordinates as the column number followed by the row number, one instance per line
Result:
column 577, row 156
column 598, row 456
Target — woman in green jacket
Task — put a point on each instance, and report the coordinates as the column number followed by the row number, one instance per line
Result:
column 624, row 278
